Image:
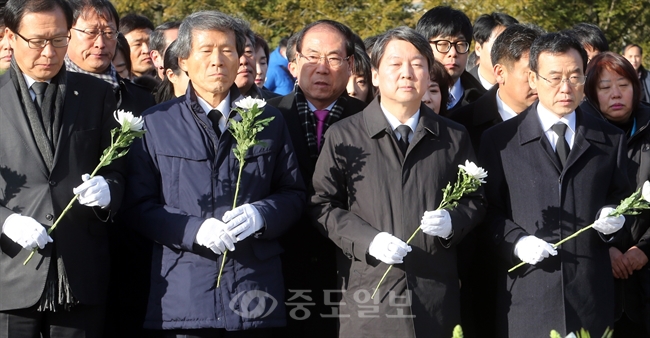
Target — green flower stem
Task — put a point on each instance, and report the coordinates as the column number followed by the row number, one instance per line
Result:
column 234, row 205
column 102, row 162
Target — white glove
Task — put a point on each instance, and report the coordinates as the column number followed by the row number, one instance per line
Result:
column 93, row 192
column 608, row 225
column 213, row 235
column 388, row 248
column 26, row 231
column 243, row 221
column 436, row 223
column 533, row 250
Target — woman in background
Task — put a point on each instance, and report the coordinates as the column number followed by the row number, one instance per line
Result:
column 175, row 82
column 360, row 82
column 613, row 93
column 438, row 94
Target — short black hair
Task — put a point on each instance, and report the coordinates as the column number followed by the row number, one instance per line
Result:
column 284, row 42
column 406, row 34
column 261, row 43
column 362, row 67
column 555, row 43
column 131, row 22
column 592, row 35
column 630, row 46
column 157, row 37
column 370, row 41
column 343, row 29
column 100, row 7
column 486, row 23
column 513, row 43
column 15, row 10
column 444, row 21
column 291, row 47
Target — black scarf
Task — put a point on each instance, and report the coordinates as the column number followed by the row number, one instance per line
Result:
column 308, row 121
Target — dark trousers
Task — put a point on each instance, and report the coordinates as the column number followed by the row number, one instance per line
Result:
column 216, row 333
column 83, row 321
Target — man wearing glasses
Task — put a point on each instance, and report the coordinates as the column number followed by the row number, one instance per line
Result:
column 552, row 169
column 93, row 39
column 54, row 126
column 324, row 59
column 449, row 32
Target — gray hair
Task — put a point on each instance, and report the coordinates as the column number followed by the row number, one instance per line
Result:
column 406, row 34
column 208, row 21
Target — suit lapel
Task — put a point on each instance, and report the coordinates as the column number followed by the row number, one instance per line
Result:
column 70, row 110
column 288, row 107
column 586, row 130
column 530, row 130
column 13, row 110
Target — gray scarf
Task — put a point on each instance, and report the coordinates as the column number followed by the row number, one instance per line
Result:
column 46, row 126
column 45, row 129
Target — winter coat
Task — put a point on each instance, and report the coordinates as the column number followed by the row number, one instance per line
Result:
column 364, row 185
column 529, row 193
column 180, row 174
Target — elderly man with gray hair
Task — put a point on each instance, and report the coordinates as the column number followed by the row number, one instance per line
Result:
column 182, row 182
column 379, row 177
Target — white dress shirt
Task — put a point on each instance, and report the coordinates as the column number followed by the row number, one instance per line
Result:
column 548, row 119
column 412, row 122
column 504, row 110
column 223, row 107
column 486, row 84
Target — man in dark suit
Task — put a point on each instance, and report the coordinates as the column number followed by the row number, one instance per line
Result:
column 93, row 39
column 324, row 59
column 449, row 33
column 487, row 28
column 510, row 96
column 380, row 176
column 552, row 168
column 54, row 126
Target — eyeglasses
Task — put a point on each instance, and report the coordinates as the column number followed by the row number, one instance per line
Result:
column 94, row 33
column 444, row 46
column 573, row 81
column 38, row 43
column 333, row 61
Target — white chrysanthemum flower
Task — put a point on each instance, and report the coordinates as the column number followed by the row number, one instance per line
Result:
column 135, row 123
column 473, row 170
column 248, row 103
column 645, row 191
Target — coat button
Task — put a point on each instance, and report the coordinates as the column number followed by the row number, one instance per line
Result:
column 49, row 217
column 52, row 183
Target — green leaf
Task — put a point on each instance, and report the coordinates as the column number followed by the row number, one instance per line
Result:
column 555, row 334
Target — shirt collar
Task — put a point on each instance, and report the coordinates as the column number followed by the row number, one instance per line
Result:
column 313, row 108
column 548, row 119
column 486, row 84
column 456, row 92
column 223, row 106
column 412, row 122
column 29, row 81
column 504, row 110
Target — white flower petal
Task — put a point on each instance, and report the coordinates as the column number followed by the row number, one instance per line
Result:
column 645, row 191
column 248, row 103
column 473, row 170
column 135, row 123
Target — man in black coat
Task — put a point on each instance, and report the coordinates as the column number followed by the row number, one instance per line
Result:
column 510, row 96
column 93, row 39
column 449, row 33
column 552, row 168
column 325, row 52
column 54, row 126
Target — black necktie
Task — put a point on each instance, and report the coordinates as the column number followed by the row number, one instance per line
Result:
column 39, row 89
column 562, row 146
column 403, row 142
column 215, row 115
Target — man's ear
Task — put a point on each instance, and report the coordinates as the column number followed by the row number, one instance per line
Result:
column 500, row 73
column 477, row 49
column 182, row 63
column 532, row 80
column 375, row 78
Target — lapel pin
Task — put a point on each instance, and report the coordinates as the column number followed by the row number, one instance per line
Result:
column 76, row 92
